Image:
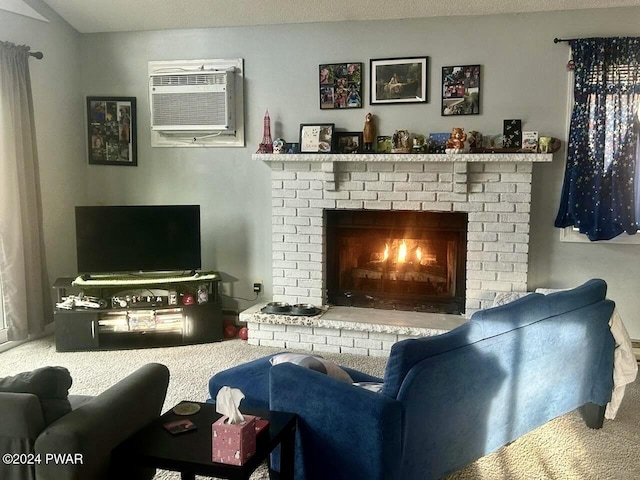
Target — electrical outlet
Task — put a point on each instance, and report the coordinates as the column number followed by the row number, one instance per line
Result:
column 257, row 287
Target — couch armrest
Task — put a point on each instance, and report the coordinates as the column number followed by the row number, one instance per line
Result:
column 21, row 416
column 95, row 428
column 343, row 431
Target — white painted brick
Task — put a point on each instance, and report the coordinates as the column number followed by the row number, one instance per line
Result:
column 474, row 265
column 253, row 341
column 409, row 167
column 438, row 187
column 272, row 327
column 363, row 195
column 283, row 229
column 515, row 197
column 367, row 343
column 515, row 177
column 327, row 332
column 476, row 167
column 497, row 286
column 521, row 248
column 328, row 167
column 283, row 175
column 523, row 188
column 309, row 193
column 317, row 284
column 297, row 166
column 437, row 206
column 481, row 295
column 297, row 256
column 523, row 207
column 310, row 248
column 277, row 272
column 273, row 343
column 421, row 196
column 484, row 177
column 499, row 227
column 498, row 247
column 296, row 184
column 481, row 275
column 298, row 329
column 471, row 306
column 383, row 337
column 438, row 167
column 275, row 185
column 365, row 176
column 351, row 204
column 354, row 334
column 475, row 187
column 277, row 255
column 316, row 185
column 423, row 177
column 260, row 334
column 483, row 217
column 475, row 227
column 514, row 237
column 279, row 194
column 500, row 167
column 522, row 228
column 341, row 195
column 468, row 207
column 297, row 238
column 474, row 284
column 310, row 230
column 483, row 256
column 296, row 203
column 380, row 187
column 445, row 177
column 407, row 187
column 392, row 196
column 499, row 207
column 299, row 346
column 315, row 175
column 314, row 338
column 276, row 166
column 394, row 177
column 484, row 197
column 283, row 212
column 513, row 257
column 303, row 292
column 297, row 221
column 406, row 206
column 352, row 166
column 285, row 282
column 297, row 274
column 387, row 346
column 326, row 348
column 340, row 341
column 380, row 167
column 514, row 218
column 500, row 187
column 377, row 205
column 474, row 246
column 460, row 187
column 524, row 167
column 512, row 277
column 352, row 186
column 284, row 247
column 498, row 267
column 277, row 290
column 310, row 212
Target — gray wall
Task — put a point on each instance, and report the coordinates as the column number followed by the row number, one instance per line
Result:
column 58, row 109
column 524, row 76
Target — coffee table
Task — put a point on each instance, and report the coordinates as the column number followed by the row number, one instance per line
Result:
column 190, row 453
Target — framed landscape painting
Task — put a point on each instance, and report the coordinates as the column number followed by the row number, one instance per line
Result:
column 399, row 80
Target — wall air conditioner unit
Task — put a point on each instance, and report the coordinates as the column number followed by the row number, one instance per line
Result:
column 193, row 101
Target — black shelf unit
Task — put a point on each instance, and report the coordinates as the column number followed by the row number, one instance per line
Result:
column 81, row 329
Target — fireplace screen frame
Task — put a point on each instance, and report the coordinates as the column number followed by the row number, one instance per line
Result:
column 342, row 223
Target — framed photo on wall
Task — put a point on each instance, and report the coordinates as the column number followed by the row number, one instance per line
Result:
column 340, row 85
column 111, row 131
column 461, row 90
column 316, row 138
column 399, row 80
column 348, row 142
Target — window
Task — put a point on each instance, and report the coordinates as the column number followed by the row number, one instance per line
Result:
column 600, row 191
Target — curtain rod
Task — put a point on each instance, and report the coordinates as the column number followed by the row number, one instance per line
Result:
column 38, row 55
column 568, row 40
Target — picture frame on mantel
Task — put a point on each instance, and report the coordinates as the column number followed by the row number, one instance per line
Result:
column 111, row 131
column 398, row 80
column 340, row 85
column 317, row 137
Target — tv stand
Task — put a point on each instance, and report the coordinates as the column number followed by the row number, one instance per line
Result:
column 136, row 311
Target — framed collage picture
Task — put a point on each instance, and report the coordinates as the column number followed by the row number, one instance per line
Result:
column 111, row 130
column 461, row 90
column 340, row 85
column 399, row 80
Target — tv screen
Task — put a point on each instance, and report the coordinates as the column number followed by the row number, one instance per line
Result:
column 141, row 238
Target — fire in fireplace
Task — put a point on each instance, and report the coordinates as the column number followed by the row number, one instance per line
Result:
column 397, row 260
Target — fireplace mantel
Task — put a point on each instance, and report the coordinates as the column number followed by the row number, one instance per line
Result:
column 401, row 157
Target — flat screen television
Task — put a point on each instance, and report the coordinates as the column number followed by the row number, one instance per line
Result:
column 140, row 238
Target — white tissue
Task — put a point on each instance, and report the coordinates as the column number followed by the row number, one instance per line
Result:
column 227, row 403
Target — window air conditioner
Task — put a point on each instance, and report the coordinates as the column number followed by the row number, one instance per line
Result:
column 196, row 101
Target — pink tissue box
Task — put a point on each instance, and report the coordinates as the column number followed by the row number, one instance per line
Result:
column 234, row 444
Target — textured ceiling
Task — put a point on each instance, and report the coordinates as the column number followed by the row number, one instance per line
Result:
column 92, row 16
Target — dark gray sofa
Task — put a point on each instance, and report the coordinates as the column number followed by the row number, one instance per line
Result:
column 90, row 431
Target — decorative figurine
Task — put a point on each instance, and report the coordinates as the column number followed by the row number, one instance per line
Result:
column 419, row 143
column 548, row 144
column 267, row 145
column 475, row 140
column 455, row 144
column 400, row 142
column 279, row 146
column 369, row 133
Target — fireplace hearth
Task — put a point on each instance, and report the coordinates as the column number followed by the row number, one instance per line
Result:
column 397, row 260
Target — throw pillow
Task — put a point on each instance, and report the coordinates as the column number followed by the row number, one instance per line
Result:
column 371, row 386
column 314, row 362
column 502, row 298
column 49, row 384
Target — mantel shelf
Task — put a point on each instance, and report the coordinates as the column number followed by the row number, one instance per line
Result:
column 400, row 157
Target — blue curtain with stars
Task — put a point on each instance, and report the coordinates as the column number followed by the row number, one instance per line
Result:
column 600, row 194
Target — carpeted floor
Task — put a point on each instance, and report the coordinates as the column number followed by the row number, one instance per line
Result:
column 562, row 449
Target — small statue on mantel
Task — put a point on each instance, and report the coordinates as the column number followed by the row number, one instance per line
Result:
column 369, row 133
column 266, row 146
column 400, row 142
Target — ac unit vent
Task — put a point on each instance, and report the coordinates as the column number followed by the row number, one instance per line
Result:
column 192, row 79
column 197, row 102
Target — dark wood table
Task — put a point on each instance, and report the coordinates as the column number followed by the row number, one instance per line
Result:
column 190, row 453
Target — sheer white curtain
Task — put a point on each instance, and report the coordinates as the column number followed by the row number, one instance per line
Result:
column 26, row 298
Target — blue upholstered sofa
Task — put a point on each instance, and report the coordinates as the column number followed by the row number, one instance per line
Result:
column 446, row 400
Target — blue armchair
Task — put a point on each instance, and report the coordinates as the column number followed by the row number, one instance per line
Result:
column 446, row 400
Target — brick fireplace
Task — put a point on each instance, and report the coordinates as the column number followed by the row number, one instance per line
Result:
column 493, row 190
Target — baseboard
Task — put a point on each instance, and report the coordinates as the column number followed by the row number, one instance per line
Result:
column 636, row 348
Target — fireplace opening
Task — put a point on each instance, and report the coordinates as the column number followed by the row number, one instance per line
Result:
column 397, row 260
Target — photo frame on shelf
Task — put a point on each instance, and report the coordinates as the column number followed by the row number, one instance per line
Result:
column 348, row 142
column 460, row 90
column 316, row 137
column 340, row 85
column 383, row 144
column 111, row 131
column 399, row 80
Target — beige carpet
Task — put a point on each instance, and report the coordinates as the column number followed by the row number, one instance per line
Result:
column 562, row 449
